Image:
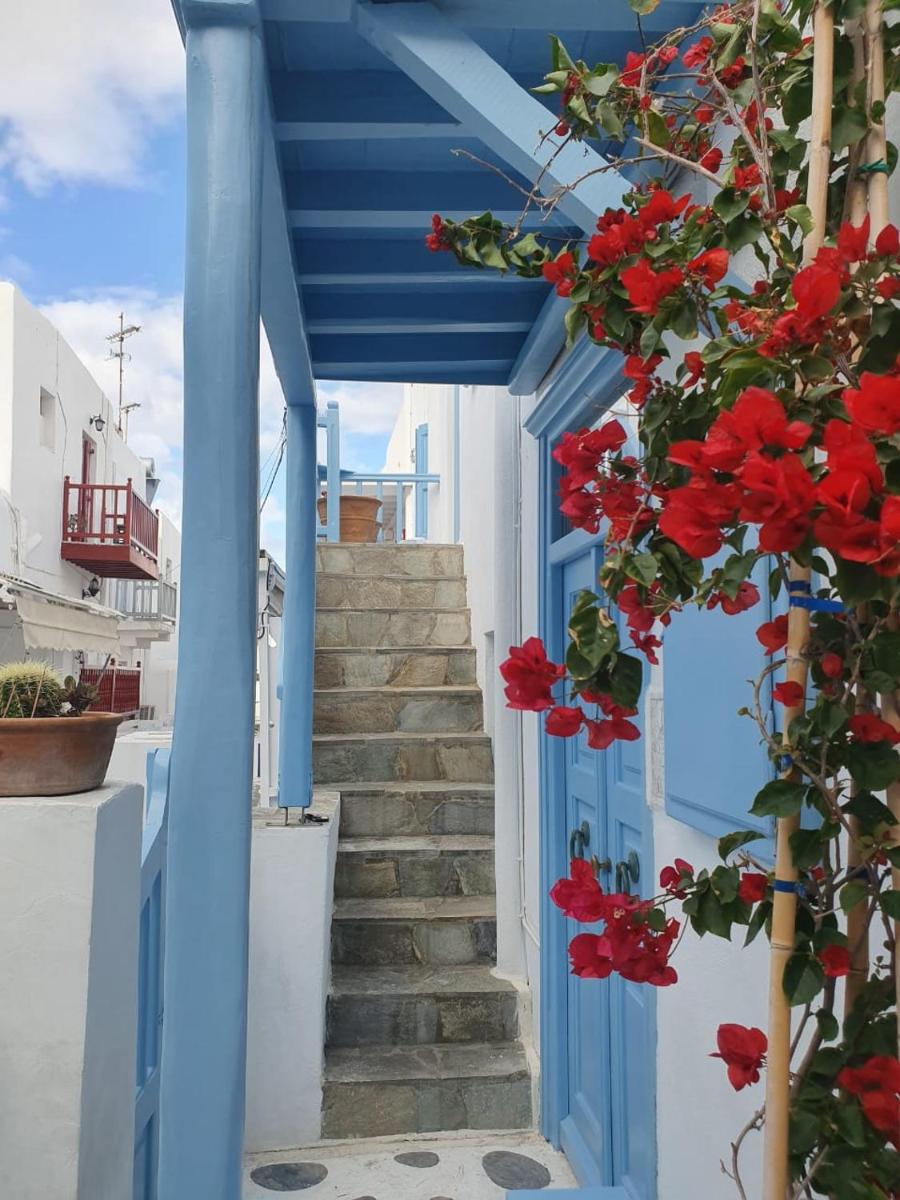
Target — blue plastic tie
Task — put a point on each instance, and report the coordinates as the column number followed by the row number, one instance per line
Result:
column 788, row 885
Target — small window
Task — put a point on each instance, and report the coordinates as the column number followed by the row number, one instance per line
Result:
column 48, row 419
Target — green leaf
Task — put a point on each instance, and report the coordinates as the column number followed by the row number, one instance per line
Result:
column 881, row 663
column 743, row 231
column 806, row 847
column 626, row 679
column 711, row 917
column 601, row 79
column 890, row 903
column 803, row 978
column 608, row 120
column 869, row 811
column 848, row 1120
column 684, row 320
column 724, row 881
column 733, row 841
column 873, row 765
column 779, row 798
column 848, row 126
column 642, row 567
column 657, row 129
column 761, row 914
column 643, row 7
column 574, row 321
column 828, row 1025
column 561, row 59
column 800, row 215
column 853, row 893
column 730, row 204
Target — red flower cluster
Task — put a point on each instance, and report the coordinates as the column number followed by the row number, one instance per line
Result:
column 835, row 961
column 621, row 234
column 648, row 288
column 613, row 726
column 438, row 238
column 867, row 727
column 580, row 896
column 753, row 887
column 641, row 617
column 672, row 878
column 876, row 1085
column 530, row 676
column 743, row 1050
column 561, row 271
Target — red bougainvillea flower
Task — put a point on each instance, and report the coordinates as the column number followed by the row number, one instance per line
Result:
column 743, row 1050
column 816, row 289
column 564, row 722
column 662, row 207
column 693, row 360
column 758, row 420
column 773, row 634
column 694, row 515
column 697, row 54
column 648, row 645
column 875, row 405
column 853, row 241
column 630, row 76
column 747, row 596
column 561, row 271
column 789, row 693
column 614, row 728
column 712, row 159
column 866, row 727
column 529, row 676
column 832, row 665
column 778, row 496
column 580, row 453
column 672, row 878
column 752, row 887
column 850, row 451
column 887, row 244
column 580, row 896
column 835, row 961
column 627, row 945
column 711, row 266
column 641, row 371
column 437, row 239
column 648, row 288
column 876, row 1084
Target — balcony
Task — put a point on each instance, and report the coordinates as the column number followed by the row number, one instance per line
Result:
column 150, row 600
column 109, row 530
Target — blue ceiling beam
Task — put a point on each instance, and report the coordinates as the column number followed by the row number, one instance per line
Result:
column 465, row 81
column 356, row 326
column 454, row 370
column 341, row 131
column 581, row 16
column 413, row 281
column 412, row 221
column 371, row 191
column 443, row 305
column 416, row 347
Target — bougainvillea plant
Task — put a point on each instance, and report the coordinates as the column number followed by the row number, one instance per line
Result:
column 768, row 419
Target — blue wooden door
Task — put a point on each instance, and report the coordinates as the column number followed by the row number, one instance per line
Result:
column 609, row 1130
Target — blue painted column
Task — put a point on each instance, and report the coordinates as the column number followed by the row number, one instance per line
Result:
column 205, row 1013
column 295, row 766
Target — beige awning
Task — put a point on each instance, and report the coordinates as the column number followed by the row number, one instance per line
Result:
column 50, row 624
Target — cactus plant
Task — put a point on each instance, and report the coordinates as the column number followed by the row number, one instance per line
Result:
column 30, row 689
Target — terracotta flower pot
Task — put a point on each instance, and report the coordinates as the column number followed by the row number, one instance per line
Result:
column 359, row 517
column 55, row 756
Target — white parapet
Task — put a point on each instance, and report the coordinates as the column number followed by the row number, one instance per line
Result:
column 69, row 907
column 291, row 891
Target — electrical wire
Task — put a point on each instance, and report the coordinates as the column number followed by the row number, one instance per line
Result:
column 280, row 450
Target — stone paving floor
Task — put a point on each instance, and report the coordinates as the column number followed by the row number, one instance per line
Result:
column 429, row 1167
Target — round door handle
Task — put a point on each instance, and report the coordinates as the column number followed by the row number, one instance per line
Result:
column 578, row 839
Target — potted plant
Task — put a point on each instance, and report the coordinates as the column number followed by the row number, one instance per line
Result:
column 50, row 745
column 359, row 517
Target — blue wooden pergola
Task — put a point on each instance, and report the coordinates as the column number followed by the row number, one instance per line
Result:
column 319, row 145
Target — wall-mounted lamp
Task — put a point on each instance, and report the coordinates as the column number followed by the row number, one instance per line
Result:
column 98, row 422
column 92, row 589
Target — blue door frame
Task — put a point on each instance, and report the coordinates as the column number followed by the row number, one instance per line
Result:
column 586, row 385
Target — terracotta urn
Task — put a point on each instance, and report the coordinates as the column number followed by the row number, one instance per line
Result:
column 359, row 517
column 55, row 756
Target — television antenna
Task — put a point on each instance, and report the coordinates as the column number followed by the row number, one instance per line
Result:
column 119, row 337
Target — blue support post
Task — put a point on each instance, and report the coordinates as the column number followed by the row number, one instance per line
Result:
column 295, row 765
column 421, row 492
column 205, row 1025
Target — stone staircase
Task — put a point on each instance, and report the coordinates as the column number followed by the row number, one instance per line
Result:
column 421, row 1036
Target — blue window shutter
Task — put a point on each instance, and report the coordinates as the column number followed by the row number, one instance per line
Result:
column 715, row 761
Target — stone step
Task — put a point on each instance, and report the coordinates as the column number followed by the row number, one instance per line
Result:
column 460, row 757
column 367, row 666
column 400, row 710
column 420, row 1005
column 445, row 931
column 374, row 1091
column 342, row 627
column 415, row 866
column 414, row 560
column 416, row 809
column 390, row 591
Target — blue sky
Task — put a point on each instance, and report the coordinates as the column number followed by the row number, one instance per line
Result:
column 92, row 216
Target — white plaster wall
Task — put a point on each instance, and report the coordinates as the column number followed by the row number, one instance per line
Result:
column 291, row 897
column 129, row 756
column 69, row 894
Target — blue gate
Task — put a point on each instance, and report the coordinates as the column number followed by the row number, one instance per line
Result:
column 150, row 975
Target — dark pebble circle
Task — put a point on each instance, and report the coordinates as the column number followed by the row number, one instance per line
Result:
column 289, row 1177
column 514, row 1171
column 418, row 1158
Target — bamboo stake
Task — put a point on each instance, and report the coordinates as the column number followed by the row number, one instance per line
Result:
column 784, row 908
column 856, row 205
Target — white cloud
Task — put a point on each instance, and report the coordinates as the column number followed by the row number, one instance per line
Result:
column 366, row 408
column 84, row 85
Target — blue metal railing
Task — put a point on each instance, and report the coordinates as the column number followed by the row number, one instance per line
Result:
column 151, row 959
column 335, row 480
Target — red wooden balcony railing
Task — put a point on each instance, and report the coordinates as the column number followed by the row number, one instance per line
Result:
column 118, row 688
column 108, row 529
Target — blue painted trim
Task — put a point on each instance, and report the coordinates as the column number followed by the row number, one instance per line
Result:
column 586, row 375
column 541, row 348
column 204, row 1034
column 332, row 423
column 299, row 630
column 463, row 78
column 199, row 13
